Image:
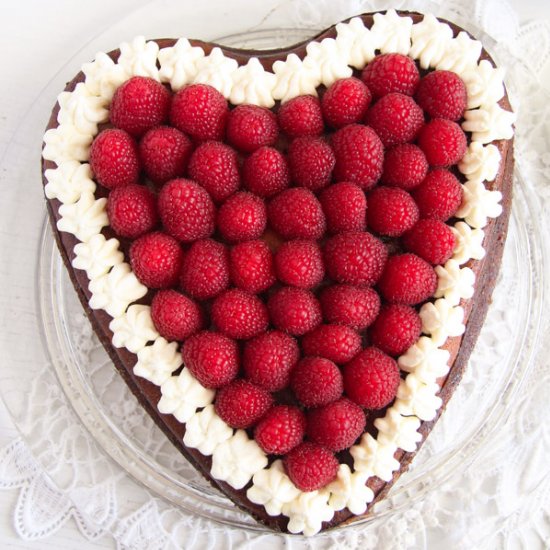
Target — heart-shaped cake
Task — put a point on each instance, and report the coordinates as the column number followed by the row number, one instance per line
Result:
column 288, row 254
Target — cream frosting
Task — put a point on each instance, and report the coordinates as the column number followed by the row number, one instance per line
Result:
column 484, row 84
column 391, row 32
column 479, row 204
column 349, row 490
column 307, row 512
column 442, row 320
column 426, row 360
column 139, row 57
column 69, row 181
column 134, row 328
column 455, row 283
column 414, row 397
column 355, row 42
column 469, row 243
column 205, row 430
column 84, row 218
column 103, row 76
column 430, row 41
column 489, row 123
column 399, row 431
column 158, row 361
column 253, row 84
column 294, row 78
column 217, row 70
column 97, row 256
column 325, row 56
column 178, row 63
column 480, row 162
column 461, row 55
column 372, row 457
column 66, row 143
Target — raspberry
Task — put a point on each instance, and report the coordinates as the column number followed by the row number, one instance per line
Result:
column 396, row 118
column 389, row 73
column 297, row 214
column 114, row 159
column 311, row 162
column 242, row 404
column 239, row 314
column 432, row 240
column 200, row 111
column 280, row 430
column 407, row 279
column 371, row 379
column 164, row 152
column 442, row 94
column 132, row 210
column 301, row 116
column 443, row 142
column 156, row 259
column 265, row 172
column 396, row 329
column 139, row 104
column 337, row 425
column 405, row 166
column 186, row 210
column 294, row 310
column 316, row 381
column 345, row 207
column 212, row 358
column 311, row 467
column 359, row 155
column 299, row 263
column 335, row 342
column 175, row 316
column 214, row 165
column 250, row 127
column 269, row 358
column 355, row 258
column 439, row 195
column 392, row 211
column 242, row 217
column 345, row 102
column 251, row 266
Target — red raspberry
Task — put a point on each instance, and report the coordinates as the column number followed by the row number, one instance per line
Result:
column 139, row 104
column 337, row 425
column 299, row 263
column 443, row 142
column 405, row 166
column 164, row 152
column 392, row 211
column 345, row 207
column 251, row 266
column 335, row 342
column 371, row 379
column 132, row 210
column 311, row 467
column 439, row 195
column 175, row 316
column 301, row 116
column 280, row 430
column 389, row 73
column 265, row 172
column 345, row 102
column 355, row 258
column 156, row 259
column 297, row 214
column 396, row 329
column 311, row 162
column 250, row 127
column 214, row 165
column 212, row 358
column 407, row 279
column 114, row 159
column 432, row 240
column 294, row 310
column 316, row 381
column 269, row 358
column 242, row 217
column 442, row 94
column 186, row 210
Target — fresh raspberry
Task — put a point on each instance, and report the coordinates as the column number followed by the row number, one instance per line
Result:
column 242, row 404
column 269, row 358
column 345, row 102
column 214, row 165
column 175, row 316
column 299, row 263
column 371, row 379
column 359, row 155
column 186, row 210
column 311, row 467
column 396, row 329
column 280, row 430
column 316, row 381
column 156, row 259
column 242, row 217
column 335, row 342
column 337, row 425
column 301, row 116
column 200, row 111
column 250, row 127
column 443, row 142
column 311, row 162
column 265, row 172
column 294, row 310
column 251, row 266
column 442, row 94
column 439, row 195
column 355, row 258
column 132, row 210
column 432, row 240
column 407, row 279
column 345, row 207
column 140, row 104
column 396, row 118
column 297, row 214
column 392, row 211
column 405, row 166
column 164, row 153
column 212, row 358
column 114, row 159
column 389, row 73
